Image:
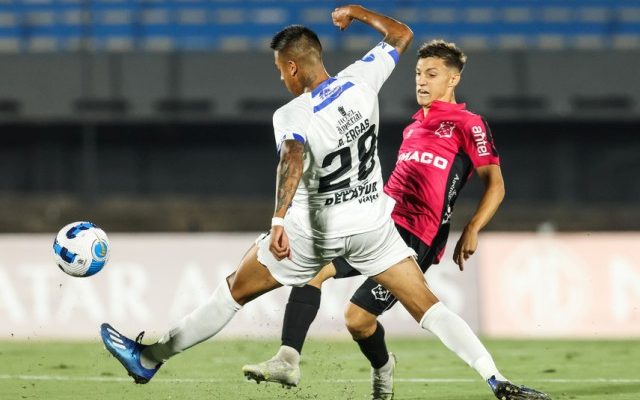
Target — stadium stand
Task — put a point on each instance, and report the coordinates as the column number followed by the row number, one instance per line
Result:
column 198, row 25
column 152, row 98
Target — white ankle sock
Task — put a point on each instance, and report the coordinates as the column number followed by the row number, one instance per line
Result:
column 204, row 322
column 454, row 332
column 288, row 354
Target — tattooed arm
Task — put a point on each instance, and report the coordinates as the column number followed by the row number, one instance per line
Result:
column 288, row 176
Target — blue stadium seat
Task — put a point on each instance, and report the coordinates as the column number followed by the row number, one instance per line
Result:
column 240, row 25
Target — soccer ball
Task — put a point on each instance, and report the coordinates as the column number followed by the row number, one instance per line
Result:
column 81, row 249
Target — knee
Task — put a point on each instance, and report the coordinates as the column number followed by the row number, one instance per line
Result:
column 360, row 323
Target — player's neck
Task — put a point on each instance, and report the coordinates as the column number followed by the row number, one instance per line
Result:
column 315, row 78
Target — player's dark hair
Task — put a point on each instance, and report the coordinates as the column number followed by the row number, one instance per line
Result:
column 296, row 37
column 448, row 52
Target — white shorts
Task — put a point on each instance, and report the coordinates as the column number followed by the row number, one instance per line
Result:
column 370, row 253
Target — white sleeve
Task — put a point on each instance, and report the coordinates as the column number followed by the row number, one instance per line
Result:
column 290, row 122
column 375, row 67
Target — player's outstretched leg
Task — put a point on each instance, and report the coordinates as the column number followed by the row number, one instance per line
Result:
column 249, row 281
column 128, row 352
column 202, row 323
column 505, row 390
column 407, row 284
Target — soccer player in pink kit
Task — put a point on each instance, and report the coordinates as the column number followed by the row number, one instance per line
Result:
column 440, row 150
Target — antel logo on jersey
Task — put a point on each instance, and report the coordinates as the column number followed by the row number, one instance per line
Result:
column 424, row 158
column 480, row 137
column 445, row 130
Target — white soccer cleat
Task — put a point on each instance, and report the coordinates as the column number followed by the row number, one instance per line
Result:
column 382, row 380
column 274, row 370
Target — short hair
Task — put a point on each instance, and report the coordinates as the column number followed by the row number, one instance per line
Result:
column 296, row 39
column 447, row 51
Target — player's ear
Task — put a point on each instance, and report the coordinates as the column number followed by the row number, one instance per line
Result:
column 292, row 67
column 455, row 79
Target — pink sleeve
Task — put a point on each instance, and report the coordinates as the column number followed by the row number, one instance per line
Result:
column 477, row 143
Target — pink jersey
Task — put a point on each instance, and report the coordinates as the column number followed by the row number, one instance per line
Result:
column 437, row 155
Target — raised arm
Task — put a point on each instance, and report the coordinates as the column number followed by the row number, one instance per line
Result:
column 395, row 32
column 288, row 176
column 491, row 177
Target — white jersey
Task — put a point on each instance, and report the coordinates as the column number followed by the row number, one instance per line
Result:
column 341, row 189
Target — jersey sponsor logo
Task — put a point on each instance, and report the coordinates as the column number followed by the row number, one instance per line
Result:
column 380, row 293
column 452, row 189
column 445, row 130
column 364, row 193
column 328, row 92
column 348, row 119
column 424, row 157
column 451, row 195
column 480, row 137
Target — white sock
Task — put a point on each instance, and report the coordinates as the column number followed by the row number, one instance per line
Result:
column 203, row 322
column 288, row 354
column 454, row 332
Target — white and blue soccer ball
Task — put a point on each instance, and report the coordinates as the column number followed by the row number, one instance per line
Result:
column 81, row 249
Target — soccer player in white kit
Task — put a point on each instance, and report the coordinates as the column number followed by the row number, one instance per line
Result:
column 329, row 202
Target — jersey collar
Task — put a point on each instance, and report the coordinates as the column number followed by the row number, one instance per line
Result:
column 322, row 85
column 440, row 106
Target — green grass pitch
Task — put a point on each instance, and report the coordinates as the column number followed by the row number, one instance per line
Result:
column 330, row 370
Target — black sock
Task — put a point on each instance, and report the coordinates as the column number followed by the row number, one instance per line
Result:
column 300, row 312
column 374, row 348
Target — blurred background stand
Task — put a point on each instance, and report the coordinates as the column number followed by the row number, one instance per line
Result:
column 156, row 116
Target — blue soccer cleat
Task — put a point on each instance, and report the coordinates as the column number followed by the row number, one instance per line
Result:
column 127, row 351
column 505, row 390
